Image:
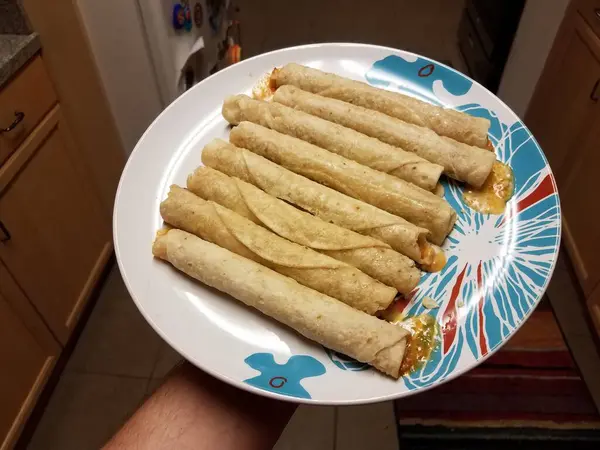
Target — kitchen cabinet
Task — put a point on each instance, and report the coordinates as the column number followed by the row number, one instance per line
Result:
column 564, row 116
column 565, row 102
column 60, row 161
column 28, row 352
column 57, row 240
column 581, row 212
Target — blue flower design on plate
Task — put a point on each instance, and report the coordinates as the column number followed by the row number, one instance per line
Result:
column 417, row 77
column 283, row 378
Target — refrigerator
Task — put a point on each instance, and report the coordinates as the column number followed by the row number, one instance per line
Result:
column 145, row 61
column 184, row 54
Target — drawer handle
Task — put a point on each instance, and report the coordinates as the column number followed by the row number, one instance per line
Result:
column 4, row 234
column 594, row 94
column 19, row 116
column 597, row 12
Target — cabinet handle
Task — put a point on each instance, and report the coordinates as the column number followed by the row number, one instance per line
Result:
column 19, row 116
column 594, row 94
column 597, row 12
column 4, row 234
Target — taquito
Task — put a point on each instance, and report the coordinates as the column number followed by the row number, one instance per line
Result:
column 460, row 161
column 445, row 122
column 344, row 141
column 316, row 316
column 373, row 257
column 223, row 227
column 323, row 202
column 391, row 194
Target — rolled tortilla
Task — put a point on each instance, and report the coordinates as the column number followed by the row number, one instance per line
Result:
column 223, row 227
column 316, row 316
column 445, row 122
column 323, row 202
column 391, row 194
column 373, row 257
column 460, row 161
column 344, row 141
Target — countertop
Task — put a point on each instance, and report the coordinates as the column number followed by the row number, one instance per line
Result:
column 15, row 51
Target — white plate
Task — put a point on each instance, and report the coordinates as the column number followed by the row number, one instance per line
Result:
column 498, row 266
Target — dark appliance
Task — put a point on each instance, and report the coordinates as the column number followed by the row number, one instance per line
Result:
column 485, row 35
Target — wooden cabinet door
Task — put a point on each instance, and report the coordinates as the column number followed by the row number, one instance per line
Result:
column 59, row 238
column 581, row 210
column 27, row 355
column 566, row 98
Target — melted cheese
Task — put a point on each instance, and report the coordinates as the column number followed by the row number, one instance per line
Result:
column 435, row 257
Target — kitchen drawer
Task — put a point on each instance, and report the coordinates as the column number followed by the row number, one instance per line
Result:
column 590, row 10
column 29, row 95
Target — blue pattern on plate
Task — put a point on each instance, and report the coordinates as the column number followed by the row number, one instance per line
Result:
column 417, row 76
column 283, row 378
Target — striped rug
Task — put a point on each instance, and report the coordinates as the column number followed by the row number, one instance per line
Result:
column 528, row 395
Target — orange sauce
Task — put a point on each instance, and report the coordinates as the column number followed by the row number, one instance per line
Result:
column 423, row 339
column 265, row 88
column 435, row 257
column 496, row 191
column 489, row 146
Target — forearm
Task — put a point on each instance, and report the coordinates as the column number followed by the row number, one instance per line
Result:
column 193, row 410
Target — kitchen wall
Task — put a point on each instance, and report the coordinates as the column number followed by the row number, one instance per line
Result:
column 538, row 27
column 427, row 27
column 117, row 40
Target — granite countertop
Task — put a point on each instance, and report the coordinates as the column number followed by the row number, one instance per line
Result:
column 15, row 51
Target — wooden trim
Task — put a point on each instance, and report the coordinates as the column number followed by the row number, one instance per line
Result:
column 90, row 285
column 67, row 53
column 28, row 405
column 580, row 270
column 27, row 149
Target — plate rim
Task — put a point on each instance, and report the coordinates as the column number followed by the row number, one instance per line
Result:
column 457, row 372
